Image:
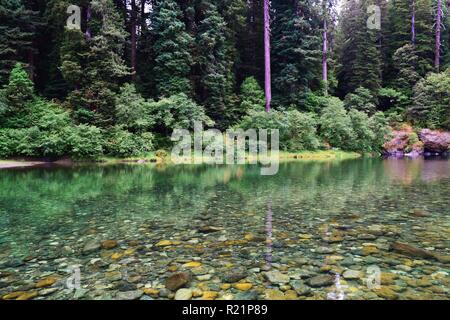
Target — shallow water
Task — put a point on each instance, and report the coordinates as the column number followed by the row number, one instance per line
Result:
column 311, row 219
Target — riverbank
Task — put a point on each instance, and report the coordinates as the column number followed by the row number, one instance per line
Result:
column 7, row 164
column 163, row 157
column 160, row 157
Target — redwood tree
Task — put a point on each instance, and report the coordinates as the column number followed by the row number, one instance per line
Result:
column 267, row 84
column 325, row 49
column 133, row 38
column 413, row 22
column 437, row 49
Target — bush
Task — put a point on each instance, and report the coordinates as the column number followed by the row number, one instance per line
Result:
column 392, row 100
column 20, row 88
column 301, row 132
column 122, row 143
column 297, row 130
column 413, row 140
column 431, row 102
column 363, row 134
column 132, row 111
column 317, row 102
column 21, row 142
column 6, row 148
column 177, row 112
column 361, row 100
column 379, row 125
column 336, row 127
column 86, row 142
column 252, row 96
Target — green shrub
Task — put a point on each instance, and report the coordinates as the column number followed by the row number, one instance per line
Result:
column 381, row 129
column 20, row 88
column 21, row 142
column 431, row 102
column 132, row 110
column 363, row 134
column 252, row 96
column 6, row 148
column 86, row 142
column 177, row 111
column 393, row 100
column 336, row 127
column 361, row 100
column 122, row 143
column 301, row 133
column 297, row 131
column 317, row 102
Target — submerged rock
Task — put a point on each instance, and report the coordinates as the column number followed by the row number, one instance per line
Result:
column 320, row 281
column 209, row 229
column 129, row 295
column 109, row 244
column 352, row 274
column 91, row 246
column 412, row 251
column 300, row 287
column 47, row 282
column 420, row 213
column 13, row 263
column 234, row 275
column 273, row 294
column 177, row 280
column 277, row 277
column 183, row 294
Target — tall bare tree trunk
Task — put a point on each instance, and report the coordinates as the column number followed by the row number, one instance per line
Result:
column 267, row 73
column 437, row 49
column 325, row 50
column 133, row 39
column 142, row 16
column 413, row 23
column 88, row 33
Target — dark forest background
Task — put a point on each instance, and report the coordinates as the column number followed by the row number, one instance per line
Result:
column 137, row 69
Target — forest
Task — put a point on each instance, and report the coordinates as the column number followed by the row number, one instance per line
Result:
column 136, row 69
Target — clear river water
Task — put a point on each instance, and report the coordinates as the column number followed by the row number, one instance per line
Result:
column 352, row 229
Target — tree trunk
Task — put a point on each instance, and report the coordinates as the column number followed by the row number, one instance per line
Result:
column 88, row 33
column 267, row 73
column 413, row 23
column 142, row 16
column 133, row 39
column 325, row 50
column 437, row 49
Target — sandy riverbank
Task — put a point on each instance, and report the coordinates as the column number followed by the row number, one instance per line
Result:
column 6, row 164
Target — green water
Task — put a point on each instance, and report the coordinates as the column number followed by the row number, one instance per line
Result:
column 280, row 223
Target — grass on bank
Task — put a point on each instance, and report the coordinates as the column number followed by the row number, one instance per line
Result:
column 322, row 155
column 163, row 157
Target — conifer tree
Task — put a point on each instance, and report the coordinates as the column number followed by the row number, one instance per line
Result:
column 296, row 47
column 17, row 30
column 93, row 64
column 359, row 54
column 172, row 49
column 215, row 66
